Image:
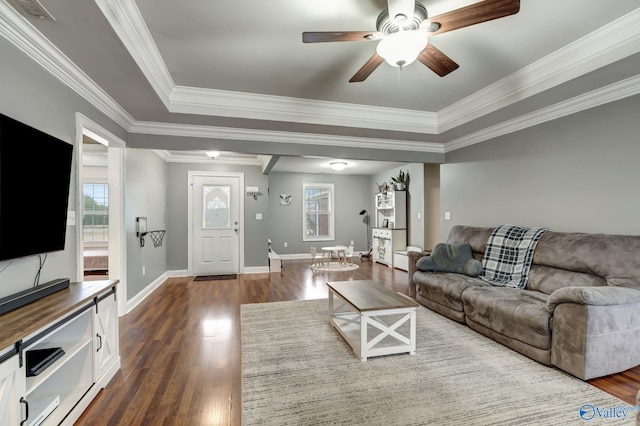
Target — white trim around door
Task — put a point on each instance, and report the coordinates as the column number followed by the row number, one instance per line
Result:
column 117, row 234
column 190, row 201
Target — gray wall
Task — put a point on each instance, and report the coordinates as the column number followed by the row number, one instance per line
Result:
column 415, row 199
column 352, row 194
column 255, row 231
column 31, row 95
column 431, row 206
column 578, row 173
column 145, row 195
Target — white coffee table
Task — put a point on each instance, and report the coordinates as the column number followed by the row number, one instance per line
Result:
column 363, row 326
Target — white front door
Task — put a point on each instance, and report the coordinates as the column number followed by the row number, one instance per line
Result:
column 215, row 224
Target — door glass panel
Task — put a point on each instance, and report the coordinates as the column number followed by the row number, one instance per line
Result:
column 215, row 206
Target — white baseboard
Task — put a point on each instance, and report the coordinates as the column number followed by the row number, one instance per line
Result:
column 296, row 256
column 256, row 270
column 177, row 273
column 138, row 298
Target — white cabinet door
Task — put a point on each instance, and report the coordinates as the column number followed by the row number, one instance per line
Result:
column 105, row 335
column 12, row 389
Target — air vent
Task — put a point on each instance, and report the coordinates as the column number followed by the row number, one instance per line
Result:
column 32, row 9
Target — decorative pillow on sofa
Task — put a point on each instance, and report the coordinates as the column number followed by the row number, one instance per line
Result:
column 456, row 258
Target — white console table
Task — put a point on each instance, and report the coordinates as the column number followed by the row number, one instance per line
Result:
column 83, row 321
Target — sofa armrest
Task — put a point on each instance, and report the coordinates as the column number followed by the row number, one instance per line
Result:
column 595, row 296
column 591, row 340
column 414, row 256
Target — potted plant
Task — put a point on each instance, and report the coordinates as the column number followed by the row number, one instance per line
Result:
column 401, row 181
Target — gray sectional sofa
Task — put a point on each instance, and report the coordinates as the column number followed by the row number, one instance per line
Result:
column 580, row 310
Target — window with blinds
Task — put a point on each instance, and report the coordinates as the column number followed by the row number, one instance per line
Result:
column 95, row 221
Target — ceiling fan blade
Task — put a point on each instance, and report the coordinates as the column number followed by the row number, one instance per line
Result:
column 437, row 61
column 366, row 70
column 470, row 15
column 328, row 36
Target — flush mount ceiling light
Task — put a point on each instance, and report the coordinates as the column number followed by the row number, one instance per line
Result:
column 338, row 165
column 213, row 154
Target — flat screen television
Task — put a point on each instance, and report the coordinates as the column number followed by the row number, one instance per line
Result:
column 35, row 173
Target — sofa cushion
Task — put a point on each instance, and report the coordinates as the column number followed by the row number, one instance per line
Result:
column 612, row 257
column 451, row 258
column 514, row 313
column 474, row 236
column 548, row 279
column 444, row 288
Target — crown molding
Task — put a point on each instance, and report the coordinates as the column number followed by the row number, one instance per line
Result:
column 127, row 22
column 611, row 93
column 610, row 43
column 26, row 38
column 169, row 157
column 193, row 100
column 228, row 133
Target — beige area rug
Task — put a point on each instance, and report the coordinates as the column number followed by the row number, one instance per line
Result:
column 297, row 370
column 335, row 267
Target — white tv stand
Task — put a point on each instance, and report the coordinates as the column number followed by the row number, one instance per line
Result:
column 83, row 321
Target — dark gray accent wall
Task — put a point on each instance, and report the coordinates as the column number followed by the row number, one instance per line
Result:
column 576, row 174
column 145, row 195
column 255, row 231
column 32, row 95
column 352, row 194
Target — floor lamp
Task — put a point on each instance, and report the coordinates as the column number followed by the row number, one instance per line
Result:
column 367, row 221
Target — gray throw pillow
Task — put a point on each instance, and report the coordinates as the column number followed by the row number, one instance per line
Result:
column 456, row 258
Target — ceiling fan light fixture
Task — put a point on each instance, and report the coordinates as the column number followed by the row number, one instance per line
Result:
column 402, row 48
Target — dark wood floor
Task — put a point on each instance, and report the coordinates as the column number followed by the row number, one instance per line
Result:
column 180, row 348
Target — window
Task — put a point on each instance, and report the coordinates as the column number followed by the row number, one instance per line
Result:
column 95, row 221
column 317, row 214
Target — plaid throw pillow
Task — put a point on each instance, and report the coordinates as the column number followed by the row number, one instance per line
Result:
column 509, row 254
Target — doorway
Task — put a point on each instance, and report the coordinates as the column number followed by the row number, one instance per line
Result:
column 100, row 206
column 215, row 223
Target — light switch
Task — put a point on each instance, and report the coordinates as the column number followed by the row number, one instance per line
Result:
column 71, row 218
column 258, row 216
column 419, row 215
column 447, row 215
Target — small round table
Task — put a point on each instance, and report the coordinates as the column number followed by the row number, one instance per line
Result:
column 342, row 256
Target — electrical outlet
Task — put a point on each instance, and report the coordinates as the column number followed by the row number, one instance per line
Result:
column 144, row 271
column 419, row 216
column 71, row 218
column 285, row 244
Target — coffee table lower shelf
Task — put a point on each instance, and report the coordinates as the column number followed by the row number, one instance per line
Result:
column 359, row 330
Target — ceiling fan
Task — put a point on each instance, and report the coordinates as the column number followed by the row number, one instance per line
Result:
column 403, row 32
